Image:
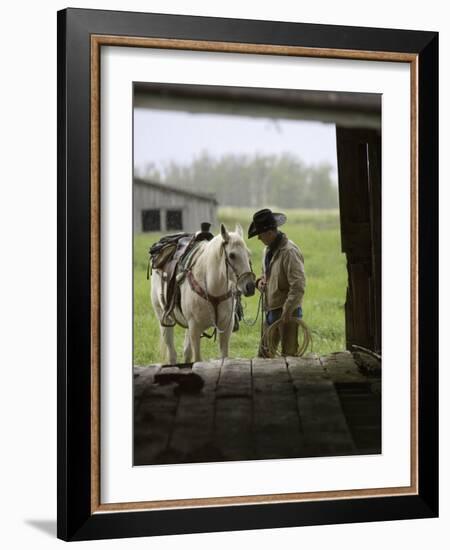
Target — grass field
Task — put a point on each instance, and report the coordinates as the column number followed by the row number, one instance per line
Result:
column 316, row 232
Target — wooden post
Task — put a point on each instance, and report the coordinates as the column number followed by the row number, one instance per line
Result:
column 359, row 169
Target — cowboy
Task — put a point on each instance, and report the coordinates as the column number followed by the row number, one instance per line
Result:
column 282, row 282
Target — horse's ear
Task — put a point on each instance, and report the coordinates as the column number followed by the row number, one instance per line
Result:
column 224, row 233
column 238, row 229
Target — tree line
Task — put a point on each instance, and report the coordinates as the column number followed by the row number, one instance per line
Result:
column 252, row 180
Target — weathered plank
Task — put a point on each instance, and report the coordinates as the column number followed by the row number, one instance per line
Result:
column 187, row 380
column 233, row 419
column 275, row 415
column 370, row 367
column 235, row 378
column 311, row 361
column 193, row 432
column 153, row 422
column 142, row 378
column 264, row 408
column 324, row 425
column 362, row 408
column 341, row 368
column 360, row 397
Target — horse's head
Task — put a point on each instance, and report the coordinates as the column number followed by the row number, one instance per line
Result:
column 237, row 259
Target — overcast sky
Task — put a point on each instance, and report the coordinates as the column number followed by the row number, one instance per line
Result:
column 162, row 136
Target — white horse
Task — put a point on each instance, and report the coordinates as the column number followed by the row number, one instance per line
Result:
column 220, row 267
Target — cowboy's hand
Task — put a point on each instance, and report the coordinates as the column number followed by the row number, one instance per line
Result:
column 261, row 284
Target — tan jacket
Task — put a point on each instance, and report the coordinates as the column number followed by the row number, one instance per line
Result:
column 286, row 278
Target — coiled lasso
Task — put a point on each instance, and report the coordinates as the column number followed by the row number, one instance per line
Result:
column 269, row 336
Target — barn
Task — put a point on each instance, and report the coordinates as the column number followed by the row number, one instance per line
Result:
column 160, row 207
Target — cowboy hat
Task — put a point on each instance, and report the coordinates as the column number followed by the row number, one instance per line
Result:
column 265, row 219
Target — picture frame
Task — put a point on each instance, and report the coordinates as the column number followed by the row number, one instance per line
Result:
column 81, row 35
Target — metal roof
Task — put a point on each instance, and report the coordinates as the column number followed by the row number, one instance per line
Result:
column 170, row 189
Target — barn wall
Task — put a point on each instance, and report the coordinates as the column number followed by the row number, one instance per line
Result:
column 194, row 210
column 359, row 168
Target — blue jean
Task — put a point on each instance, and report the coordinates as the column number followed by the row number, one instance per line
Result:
column 275, row 314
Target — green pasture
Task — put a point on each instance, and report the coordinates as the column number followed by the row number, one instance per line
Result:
column 316, row 232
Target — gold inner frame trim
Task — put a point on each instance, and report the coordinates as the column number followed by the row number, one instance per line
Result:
column 97, row 41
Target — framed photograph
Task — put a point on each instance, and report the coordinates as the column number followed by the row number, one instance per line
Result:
column 247, row 274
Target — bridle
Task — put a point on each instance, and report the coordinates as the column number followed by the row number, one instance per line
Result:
column 228, row 264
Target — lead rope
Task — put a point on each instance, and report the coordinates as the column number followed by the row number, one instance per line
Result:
column 262, row 332
column 258, row 311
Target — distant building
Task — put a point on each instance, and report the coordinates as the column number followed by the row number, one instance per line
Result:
column 160, row 207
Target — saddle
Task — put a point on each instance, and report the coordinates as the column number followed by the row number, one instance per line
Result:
column 171, row 255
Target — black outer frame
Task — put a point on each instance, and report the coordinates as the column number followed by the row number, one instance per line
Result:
column 75, row 521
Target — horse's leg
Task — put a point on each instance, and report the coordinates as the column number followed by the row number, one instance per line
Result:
column 194, row 335
column 187, row 348
column 224, row 343
column 167, row 335
column 224, row 337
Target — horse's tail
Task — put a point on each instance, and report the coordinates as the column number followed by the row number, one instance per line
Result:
column 158, row 307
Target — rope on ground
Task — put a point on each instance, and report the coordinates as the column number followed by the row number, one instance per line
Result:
column 270, row 339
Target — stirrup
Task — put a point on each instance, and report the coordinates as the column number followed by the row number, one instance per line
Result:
column 165, row 322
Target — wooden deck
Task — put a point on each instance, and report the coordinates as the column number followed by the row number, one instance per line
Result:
column 242, row 409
